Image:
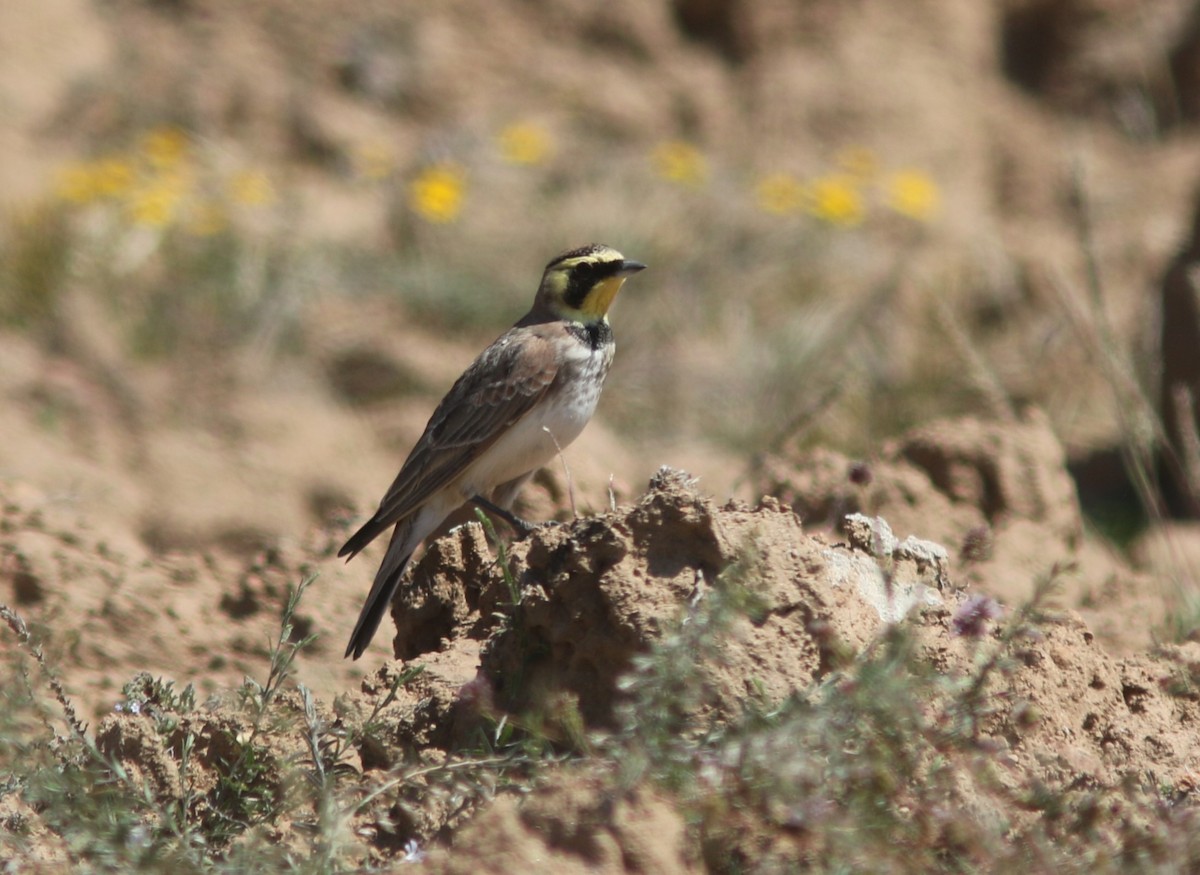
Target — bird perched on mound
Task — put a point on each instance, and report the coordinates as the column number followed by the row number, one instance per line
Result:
column 527, row 395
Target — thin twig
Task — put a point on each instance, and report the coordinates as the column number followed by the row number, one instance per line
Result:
column 980, row 370
column 566, row 471
column 1189, row 440
column 838, row 338
column 17, row 624
column 1132, row 406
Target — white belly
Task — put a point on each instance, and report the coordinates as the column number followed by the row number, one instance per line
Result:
column 537, row 437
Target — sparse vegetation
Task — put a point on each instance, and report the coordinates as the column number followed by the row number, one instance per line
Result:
column 887, row 763
column 190, row 255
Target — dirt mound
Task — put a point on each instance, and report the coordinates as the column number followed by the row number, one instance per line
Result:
column 567, row 610
column 105, row 606
column 596, row 593
column 576, row 824
column 555, row 635
column 956, row 480
column 996, row 494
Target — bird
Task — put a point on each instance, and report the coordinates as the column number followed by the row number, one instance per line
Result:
column 526, row 396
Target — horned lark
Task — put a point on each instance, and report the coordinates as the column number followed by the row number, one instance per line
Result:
column 527, row 395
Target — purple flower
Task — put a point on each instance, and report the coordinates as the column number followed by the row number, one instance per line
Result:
column 972, row 616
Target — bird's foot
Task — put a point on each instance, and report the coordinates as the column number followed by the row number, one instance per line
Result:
column 524, row 528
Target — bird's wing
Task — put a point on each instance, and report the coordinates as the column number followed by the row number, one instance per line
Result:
column 500, row 387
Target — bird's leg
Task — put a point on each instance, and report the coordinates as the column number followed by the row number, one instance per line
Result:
column 524, row 528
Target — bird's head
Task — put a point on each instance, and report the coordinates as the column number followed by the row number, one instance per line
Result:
column 580, row 284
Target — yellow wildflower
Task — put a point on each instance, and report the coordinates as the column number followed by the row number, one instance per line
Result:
column 858, row 162
column 838, row 200
column 912, row 193
column 154, row 205
column 251, row 188
column 77, row 183
column 524, row 143
column 113, row 177
column 374, row 160
column 780, row 193
column 437, row 192
column 680, row 162
column 165, row 147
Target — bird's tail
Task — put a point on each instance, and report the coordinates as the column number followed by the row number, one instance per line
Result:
column 387, row 578
column 365, row 535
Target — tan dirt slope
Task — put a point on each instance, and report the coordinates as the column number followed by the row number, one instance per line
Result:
column 597, row 592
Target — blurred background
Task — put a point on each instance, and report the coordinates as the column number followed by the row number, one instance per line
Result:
column 246, row 245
